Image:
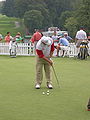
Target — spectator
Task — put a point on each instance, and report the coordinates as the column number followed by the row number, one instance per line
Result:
column 12, row 47
column 18, row 37
column 55, row 39
column 80, row 36
column 8, row 37
column 36, row 37
column 89, row 37
column 68, row 37
column 63, row 45
column 44, row 49
column 1, row 37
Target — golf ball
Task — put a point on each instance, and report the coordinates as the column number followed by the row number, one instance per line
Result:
column 43, row 93
column 47, row 93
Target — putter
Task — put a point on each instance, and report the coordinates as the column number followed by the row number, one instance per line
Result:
column 55, row 76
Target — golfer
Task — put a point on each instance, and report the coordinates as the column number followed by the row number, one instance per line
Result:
column 44, row 50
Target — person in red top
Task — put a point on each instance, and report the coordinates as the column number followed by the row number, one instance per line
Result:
column 8, row 37
column 36, row 37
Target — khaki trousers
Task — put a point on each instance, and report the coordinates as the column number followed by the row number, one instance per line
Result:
column 40, row 64
column 78, row 43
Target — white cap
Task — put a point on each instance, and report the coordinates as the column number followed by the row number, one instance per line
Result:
column 65, row 33
column 46, row 40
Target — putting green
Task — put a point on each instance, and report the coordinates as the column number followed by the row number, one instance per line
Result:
column 19, row 100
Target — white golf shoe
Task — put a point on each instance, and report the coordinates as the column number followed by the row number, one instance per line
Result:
column 49, row 86
column 37, row 86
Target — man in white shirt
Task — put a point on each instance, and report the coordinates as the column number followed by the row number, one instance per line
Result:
column 80, row 36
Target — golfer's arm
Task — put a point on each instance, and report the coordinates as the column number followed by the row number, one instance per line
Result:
column 45, row 58
column 41, row 55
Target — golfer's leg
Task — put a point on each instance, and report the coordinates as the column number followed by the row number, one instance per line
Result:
column 47, row 69
column 39, row 74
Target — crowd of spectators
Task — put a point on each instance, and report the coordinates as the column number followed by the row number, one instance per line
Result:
column 9, row 37
column 61, row 41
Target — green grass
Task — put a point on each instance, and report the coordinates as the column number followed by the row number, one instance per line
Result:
column 8, row 24
column 20, row 101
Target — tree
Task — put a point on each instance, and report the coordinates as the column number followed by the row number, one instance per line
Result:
column 56, row 7
column 83, row 15
column 8, row 8
column 21, row 6
column 80, row 17
column 1, row 4
column 54, row 12
column 71, row 25
column 64, row 15
column 33, row 19
column 76, row 4
column 44, row 11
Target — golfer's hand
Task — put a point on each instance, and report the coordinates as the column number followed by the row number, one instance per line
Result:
column 51, row 62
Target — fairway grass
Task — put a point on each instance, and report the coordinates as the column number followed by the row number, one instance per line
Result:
column 19, row 100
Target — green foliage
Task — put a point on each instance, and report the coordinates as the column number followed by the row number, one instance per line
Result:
column 8, row 8
column 54, row 12
column 71, row 26
column 33, row 19
column 65, row 15
column 44, row 11
column 21, row 6
column 76, row 4
column 1, row 5
column 81, row 17
column 50, row 10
